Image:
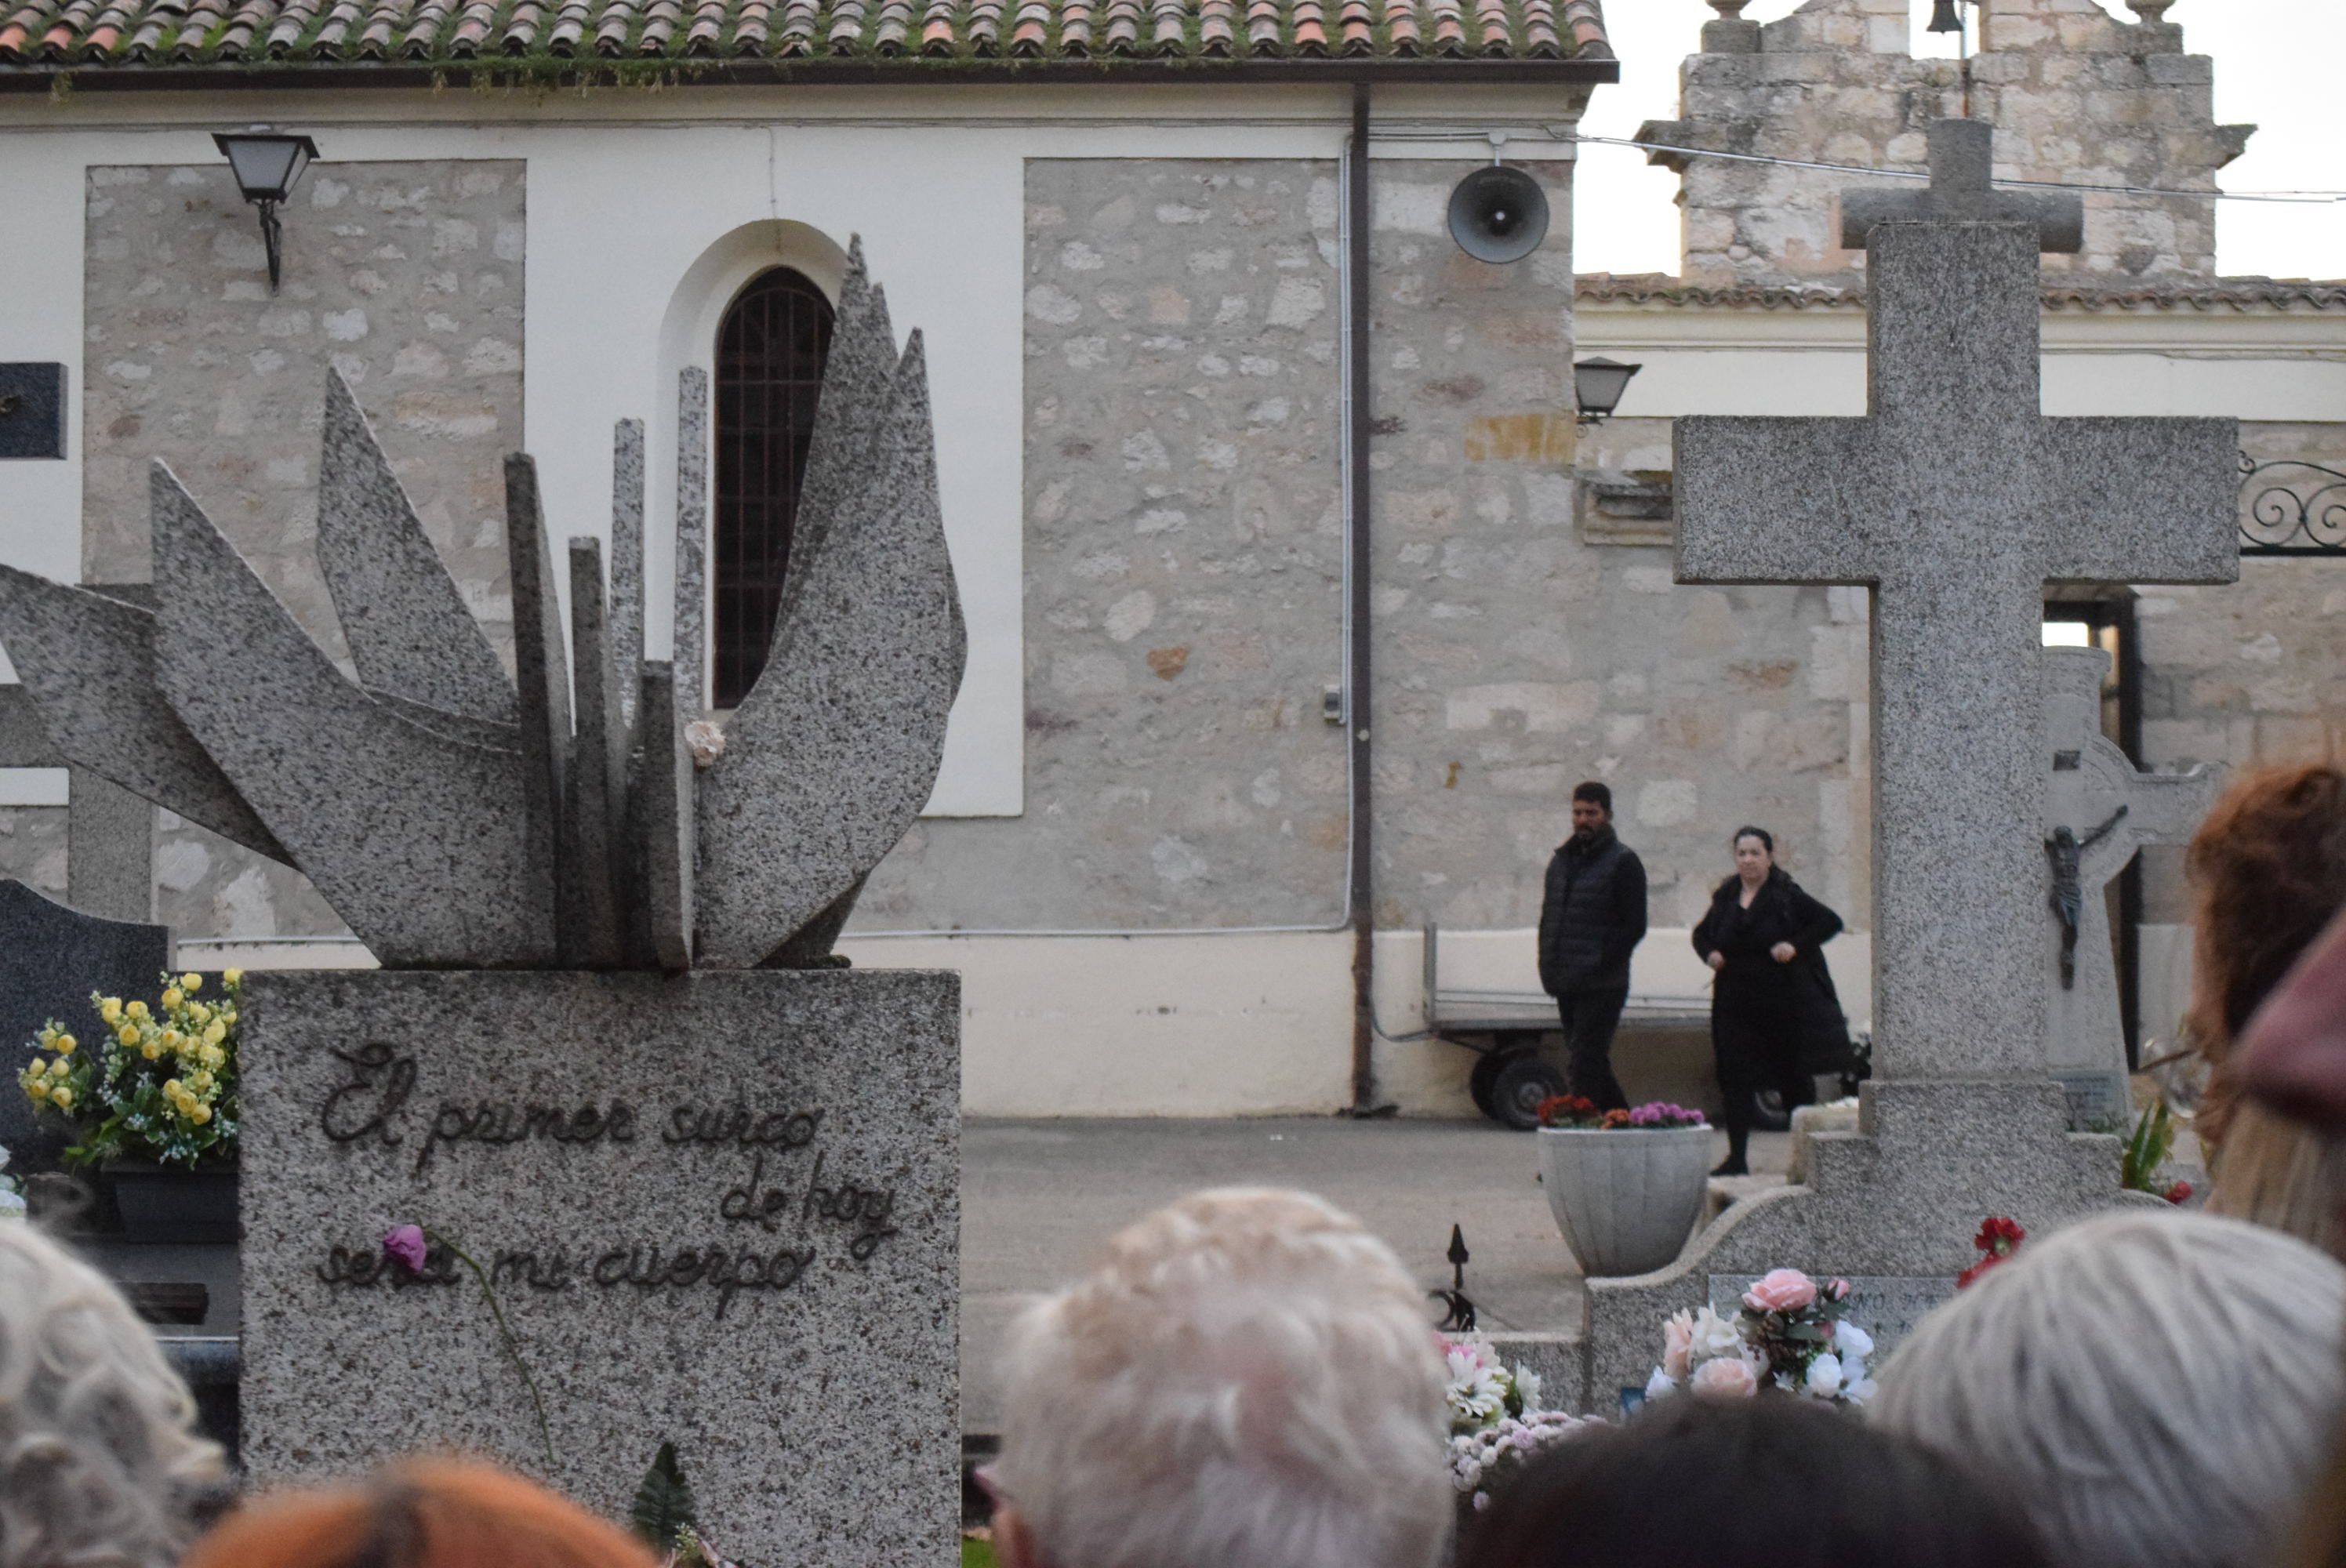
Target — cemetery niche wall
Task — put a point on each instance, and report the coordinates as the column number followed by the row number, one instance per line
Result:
column 609, row 1068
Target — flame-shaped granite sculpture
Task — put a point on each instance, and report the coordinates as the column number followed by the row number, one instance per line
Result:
column 456, row 817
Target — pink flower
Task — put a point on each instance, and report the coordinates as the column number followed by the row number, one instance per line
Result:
column 1725, row 1377
column 1677, row 1334
column 1840, row 1289
column 404, row 1245
column 1782, row 1291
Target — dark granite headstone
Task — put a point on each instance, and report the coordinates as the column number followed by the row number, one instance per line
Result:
column 51, row 958
column 32, row 410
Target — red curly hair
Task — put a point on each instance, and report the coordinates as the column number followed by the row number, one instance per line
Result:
column 422, row 1513
column 2269, row 867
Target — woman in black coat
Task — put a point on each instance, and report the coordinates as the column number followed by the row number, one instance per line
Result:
column 1773, row 1002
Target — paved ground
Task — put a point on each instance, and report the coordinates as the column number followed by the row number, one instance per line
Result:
column 1037, row 1196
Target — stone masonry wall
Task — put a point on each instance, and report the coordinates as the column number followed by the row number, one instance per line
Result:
column 2074, row 95
column 1184, row 560
column 405, row 276
column 2251, row 674
column 1184, row 568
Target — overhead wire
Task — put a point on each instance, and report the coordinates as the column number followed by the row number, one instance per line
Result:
column 2301, row 198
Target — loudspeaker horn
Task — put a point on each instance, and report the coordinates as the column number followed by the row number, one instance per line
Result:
column 1498, row 214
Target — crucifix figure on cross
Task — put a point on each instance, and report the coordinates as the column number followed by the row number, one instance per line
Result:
column 2098, row 812
column 1956, row 501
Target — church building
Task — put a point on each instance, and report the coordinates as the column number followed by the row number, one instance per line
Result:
column 1300, row 593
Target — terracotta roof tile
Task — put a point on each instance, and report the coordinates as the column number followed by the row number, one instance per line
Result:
column 46, row 36
column 1123, row 27
column 846, row 30
column 939, row 37
column 708, row 34
column 1262, row 25
column 1449, row 27
column 1583, row 22
column 985, row 27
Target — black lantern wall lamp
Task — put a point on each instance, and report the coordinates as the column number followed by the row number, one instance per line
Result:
column 1597, row 385
column 268, row 164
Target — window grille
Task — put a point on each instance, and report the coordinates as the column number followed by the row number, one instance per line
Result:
column 770, row 357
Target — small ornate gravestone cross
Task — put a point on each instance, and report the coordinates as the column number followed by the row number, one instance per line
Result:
column 1459, row 1316
column 2098, row 810
column 1956, row 501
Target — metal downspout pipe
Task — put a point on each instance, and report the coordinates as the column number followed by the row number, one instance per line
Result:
column 1361, row 910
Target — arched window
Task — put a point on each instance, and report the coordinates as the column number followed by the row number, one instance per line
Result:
column 770, row 357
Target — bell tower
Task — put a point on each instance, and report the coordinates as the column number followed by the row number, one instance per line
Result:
column 2074, row 93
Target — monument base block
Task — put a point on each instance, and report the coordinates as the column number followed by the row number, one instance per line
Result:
column 1892, row 1207
column 718, row 1209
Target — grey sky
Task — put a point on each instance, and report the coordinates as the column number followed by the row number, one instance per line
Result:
column 2276, row 66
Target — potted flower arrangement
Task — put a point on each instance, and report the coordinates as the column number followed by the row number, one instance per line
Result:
column 1788, row 1337
column 153, row 1102
column 1495, row 1421
column 1624, row 1186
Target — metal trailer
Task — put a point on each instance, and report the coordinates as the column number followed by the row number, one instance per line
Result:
column 1506, row 1027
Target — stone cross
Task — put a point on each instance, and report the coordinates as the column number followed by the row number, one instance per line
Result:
column 1955, row 501
column 1963, row 162
column 2098, row 812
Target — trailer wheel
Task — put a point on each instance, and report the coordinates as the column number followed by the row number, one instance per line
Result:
column 1525, row 1078
column 1484, row 1077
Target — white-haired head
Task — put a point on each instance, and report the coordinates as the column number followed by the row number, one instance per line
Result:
column 2162, row 1387
column 99, row 1463
column 1248, row 1381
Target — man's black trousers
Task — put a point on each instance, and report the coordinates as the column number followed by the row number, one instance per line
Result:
column 1590, row 1017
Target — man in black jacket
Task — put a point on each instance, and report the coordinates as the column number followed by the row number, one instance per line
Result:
column 1592, row 918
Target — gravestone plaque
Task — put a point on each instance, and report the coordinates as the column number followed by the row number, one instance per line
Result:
column 51, row 958
column 718, row 1209
column 32, row 410
column 1886, row 1306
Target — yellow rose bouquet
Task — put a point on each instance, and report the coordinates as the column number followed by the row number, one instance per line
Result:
column 151, row 1083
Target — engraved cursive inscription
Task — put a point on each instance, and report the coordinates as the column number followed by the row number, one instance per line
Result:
column 377, row 1072
column 490, row 1122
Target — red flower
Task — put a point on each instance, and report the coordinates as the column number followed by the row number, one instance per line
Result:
column 1999, row 1238
column 2179, row 1193
column 1562, row 1108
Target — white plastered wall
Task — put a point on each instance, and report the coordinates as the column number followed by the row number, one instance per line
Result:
column 645, row 212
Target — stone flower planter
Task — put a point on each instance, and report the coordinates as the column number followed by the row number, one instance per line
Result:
column 1624, row 1200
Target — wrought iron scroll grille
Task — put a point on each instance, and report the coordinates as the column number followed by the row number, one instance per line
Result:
column 2291, row 507
column 769, row 358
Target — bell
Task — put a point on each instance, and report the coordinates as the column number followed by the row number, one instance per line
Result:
column 1498, row 214
column 1945, row 18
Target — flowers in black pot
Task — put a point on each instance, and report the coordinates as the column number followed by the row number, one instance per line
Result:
column 151, row 1083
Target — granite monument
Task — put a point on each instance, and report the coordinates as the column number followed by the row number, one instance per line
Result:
column 1954, row 501
column 608, row 1068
